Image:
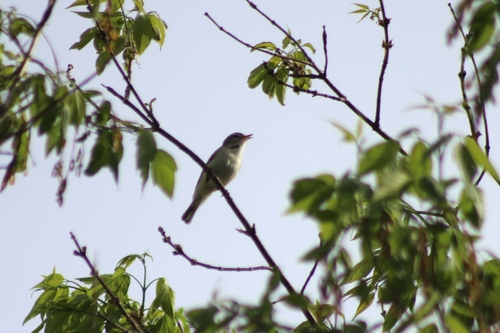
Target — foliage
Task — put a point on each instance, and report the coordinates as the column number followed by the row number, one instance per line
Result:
column 416, row 227
column 288, row 62
column 54, row 106
column 101, row 303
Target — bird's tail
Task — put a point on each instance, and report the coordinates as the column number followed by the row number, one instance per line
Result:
column 193, row 207
column 188, row 215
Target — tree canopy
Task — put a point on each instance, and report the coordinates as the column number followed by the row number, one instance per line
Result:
column 398, row 231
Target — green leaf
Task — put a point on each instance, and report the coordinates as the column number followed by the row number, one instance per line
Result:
column 163, row 170
column 269, row 86
column 50, row 114
column 281, row 75
column 431, row 328
column 362, row 6
column 378, row 157
column 98, row 158
column 491, row 268
column 103, row 113
column 143, row 32
column 471, row 205
column 347, row 135
column 146, row 151
column 107, row 151
column 297, row 301
column 286, row 41
column 359, row 271
column 85, row 38
column 364, row 304
column 308, row 193
column 482, row 26
column 53, row 289
column 480, row 158
column 420, row 163
column 310, row 47
column 159, row 27
column 139, row 5
column 102, row 60
column 50, row 281
column 84, row 3
column 392, row 316
column 203, row 319
column 264, row 45
column 256, row 76
column 128, row 260
column 466, row 163
column 429, row 188
column 76, row 107
column 165, row 298
column 455, row 325
column 22, row 142
column 359, row 327
column 322, row 311
column 20, row 25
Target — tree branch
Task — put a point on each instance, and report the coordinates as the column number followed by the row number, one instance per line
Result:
column 321, row 75
column 82, row 253
column 386, row 45
column 179, row 251
column 325, row 51
column 274, row 54
column 251, row 231
column 465, row 100
column 311, row 273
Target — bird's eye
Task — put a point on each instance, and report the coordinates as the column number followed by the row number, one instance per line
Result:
column 235, row 136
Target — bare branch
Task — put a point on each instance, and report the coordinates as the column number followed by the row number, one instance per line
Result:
column 325, row 50
column 311, row 273
column 251, row 46
column 179, row 251
column 386, row 45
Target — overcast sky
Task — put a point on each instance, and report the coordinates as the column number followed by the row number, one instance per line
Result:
column 199, row 82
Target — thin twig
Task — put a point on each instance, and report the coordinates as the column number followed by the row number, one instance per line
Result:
column 465, row 103
column 325, row 50
column 179, row 251
column 311, row 273
column 274, row 54
column 82, row 253
column 104, row 37
column 27, row 55
column 386, row 45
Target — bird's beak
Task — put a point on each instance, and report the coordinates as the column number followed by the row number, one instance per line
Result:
column 247, row 137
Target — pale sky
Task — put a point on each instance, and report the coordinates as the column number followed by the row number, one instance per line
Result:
column 199, row 82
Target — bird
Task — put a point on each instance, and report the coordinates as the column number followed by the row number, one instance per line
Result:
column 225, row 163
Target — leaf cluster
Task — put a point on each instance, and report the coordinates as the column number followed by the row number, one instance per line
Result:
column 287, row 62
column 417, row 263
column 85, row 305
column 117, row 32
column 54, row 106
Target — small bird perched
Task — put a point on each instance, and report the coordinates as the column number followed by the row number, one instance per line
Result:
column 225, row 163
